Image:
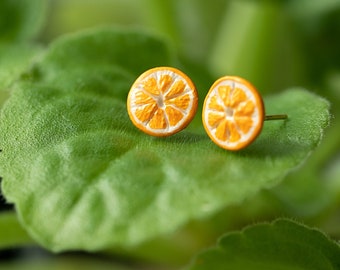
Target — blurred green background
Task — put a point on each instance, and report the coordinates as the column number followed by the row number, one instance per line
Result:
column 275, row 45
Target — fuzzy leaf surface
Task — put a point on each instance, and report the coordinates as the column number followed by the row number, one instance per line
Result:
column 283, row 245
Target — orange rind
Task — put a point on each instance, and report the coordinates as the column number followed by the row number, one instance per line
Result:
column 233, row 113
column 162, row 101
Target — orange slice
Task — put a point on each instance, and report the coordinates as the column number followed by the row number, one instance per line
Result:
column 162, row 101
column 233, row 113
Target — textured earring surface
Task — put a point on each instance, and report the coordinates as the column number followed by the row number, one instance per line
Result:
column 162, row 101
column 233, row 113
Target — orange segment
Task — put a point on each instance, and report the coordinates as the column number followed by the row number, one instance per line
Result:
column 164, row 83
column 245, row 109
column 214, row 104
column 180, row 102
column 151, row 87
column 176, row 115
column 145, row 113
column 244, row 124
column 238, row 96
column 214, row 118
column 234, row 135
column 162, row 101
column 224, row 94
column 177, row 89
column 142, row 98
column 157, row 121
column 221, row 131
column 233, row 113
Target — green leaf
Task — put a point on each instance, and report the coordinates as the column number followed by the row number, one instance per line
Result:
column 14, row 59
column 66, row 262
column 3, row 97
column 74, row 15
column 281, row 245
column 11, row 232
column 83, row 177
column 20, row 22
column 313, row 190
column 20, row 19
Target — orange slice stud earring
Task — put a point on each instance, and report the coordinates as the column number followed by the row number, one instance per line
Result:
column 162, row 101
column 233, row 113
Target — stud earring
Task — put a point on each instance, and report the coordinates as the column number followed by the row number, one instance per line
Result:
column 162, row 101
column 233, row 113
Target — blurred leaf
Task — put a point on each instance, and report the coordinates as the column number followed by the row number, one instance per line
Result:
column 281, row 245
column 21, row 20
column 11, row 232
column 61, row 263
column 83, row 177
column 333, row 85
column 308, row 12
column 14, row 59
column 308, row 192
column 73, row 15
column 187, row 23
column 318, row 23
column 258, row 41
column 3, row 97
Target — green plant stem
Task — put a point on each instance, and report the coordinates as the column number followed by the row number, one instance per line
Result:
column 11, row 232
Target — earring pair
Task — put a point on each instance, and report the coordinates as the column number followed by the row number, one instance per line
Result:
column 163, row 101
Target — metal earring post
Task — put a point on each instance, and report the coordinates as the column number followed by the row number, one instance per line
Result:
column 276, row 117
